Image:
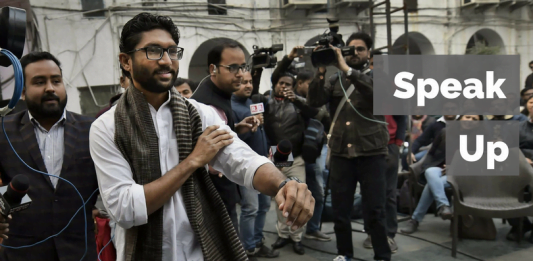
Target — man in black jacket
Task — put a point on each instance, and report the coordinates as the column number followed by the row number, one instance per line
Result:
column 227, row 65
column 285, row 117
column 53, row 140
column 358, row 143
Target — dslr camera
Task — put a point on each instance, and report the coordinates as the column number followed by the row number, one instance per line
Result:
column 325, row 55
column 264, row 57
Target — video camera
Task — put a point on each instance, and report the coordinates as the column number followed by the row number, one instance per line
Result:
column 325, row 55
column 264, row 57
column 12, row 32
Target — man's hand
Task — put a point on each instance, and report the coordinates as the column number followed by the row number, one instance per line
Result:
column 341, row 63
column 249, row 123
column 260, row 118
column 294, row 52
column 4, row 226
column 213, row 171
column 529, row 161
column 413, row 157
column 208, row 145
column 296, row 203
column 100, row 213
column 289, row 94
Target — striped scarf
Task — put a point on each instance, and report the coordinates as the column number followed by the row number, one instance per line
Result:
column 136, row 138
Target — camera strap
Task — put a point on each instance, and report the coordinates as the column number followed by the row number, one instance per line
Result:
column 339, row 108
column 337, row 112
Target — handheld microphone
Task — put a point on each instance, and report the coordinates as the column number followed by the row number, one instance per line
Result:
column 14, row 196
column 283, row 154
column 257, row 105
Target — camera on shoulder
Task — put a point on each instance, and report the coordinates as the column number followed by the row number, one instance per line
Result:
column 325, row 55
column 264, row 57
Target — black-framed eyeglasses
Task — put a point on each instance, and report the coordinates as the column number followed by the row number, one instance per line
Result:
column 234, row 68
column 156, row 52
column 360, row 49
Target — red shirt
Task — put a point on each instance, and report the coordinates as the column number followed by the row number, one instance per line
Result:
column 392, row 127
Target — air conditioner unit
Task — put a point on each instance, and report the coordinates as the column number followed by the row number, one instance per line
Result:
column 302, row 4
column 480, row 2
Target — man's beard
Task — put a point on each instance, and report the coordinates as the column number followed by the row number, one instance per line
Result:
column 355, row 64
column 43, row 110
column 148, row 81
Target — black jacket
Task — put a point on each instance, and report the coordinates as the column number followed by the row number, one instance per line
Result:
column 208, row 93
column 352, row 135
column 285, row 119
column 428, row 136
column 529, row 81
column 526, row 139
column 51, row 209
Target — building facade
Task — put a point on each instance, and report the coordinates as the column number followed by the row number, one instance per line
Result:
column 85, row 34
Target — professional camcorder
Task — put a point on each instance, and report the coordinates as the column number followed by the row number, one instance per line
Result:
column 325, row 55
column 12, row 32
column 264, row 57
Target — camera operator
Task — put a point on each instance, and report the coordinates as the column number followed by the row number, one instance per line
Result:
column 358, row 145
column 285, row 117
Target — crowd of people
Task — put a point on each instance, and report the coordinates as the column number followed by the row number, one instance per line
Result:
column 169, row 159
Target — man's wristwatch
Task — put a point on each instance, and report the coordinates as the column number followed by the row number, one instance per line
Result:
column 287, row 180
column 349, row 72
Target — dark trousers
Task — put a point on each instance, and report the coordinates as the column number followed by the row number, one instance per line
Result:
column 229, row 193
column 391, row 178
column 344, row 175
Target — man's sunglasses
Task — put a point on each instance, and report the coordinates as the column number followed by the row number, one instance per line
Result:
column 234, row 68
column 156, row 52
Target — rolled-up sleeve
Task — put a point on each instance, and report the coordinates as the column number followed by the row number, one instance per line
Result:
column 237, row 161
column 122, row 196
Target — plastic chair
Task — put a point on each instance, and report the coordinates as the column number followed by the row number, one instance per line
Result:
column 491, row 197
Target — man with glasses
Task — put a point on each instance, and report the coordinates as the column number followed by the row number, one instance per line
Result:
column 227, row 64
column 151, row 151
column 358, row 145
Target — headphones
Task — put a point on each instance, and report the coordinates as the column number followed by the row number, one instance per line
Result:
column 215, row 69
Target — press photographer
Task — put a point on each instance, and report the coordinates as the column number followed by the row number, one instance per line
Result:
column 285, row 118
column 357, row 143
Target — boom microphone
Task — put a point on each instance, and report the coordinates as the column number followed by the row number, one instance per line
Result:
column 15, row 197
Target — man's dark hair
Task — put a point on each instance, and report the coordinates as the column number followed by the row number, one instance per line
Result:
column 377, row 52
column 144, row 22
column 363, row 37
column 36, row 57
column 286, row 74
column 180, row 81
column 530, row 63
column 305, row 75
column 215, row 55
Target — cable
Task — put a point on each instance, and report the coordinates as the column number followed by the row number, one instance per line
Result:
column 348, row 101
column 19, row 82
column 79, row 194
column 17, row 92
column 110, row 240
